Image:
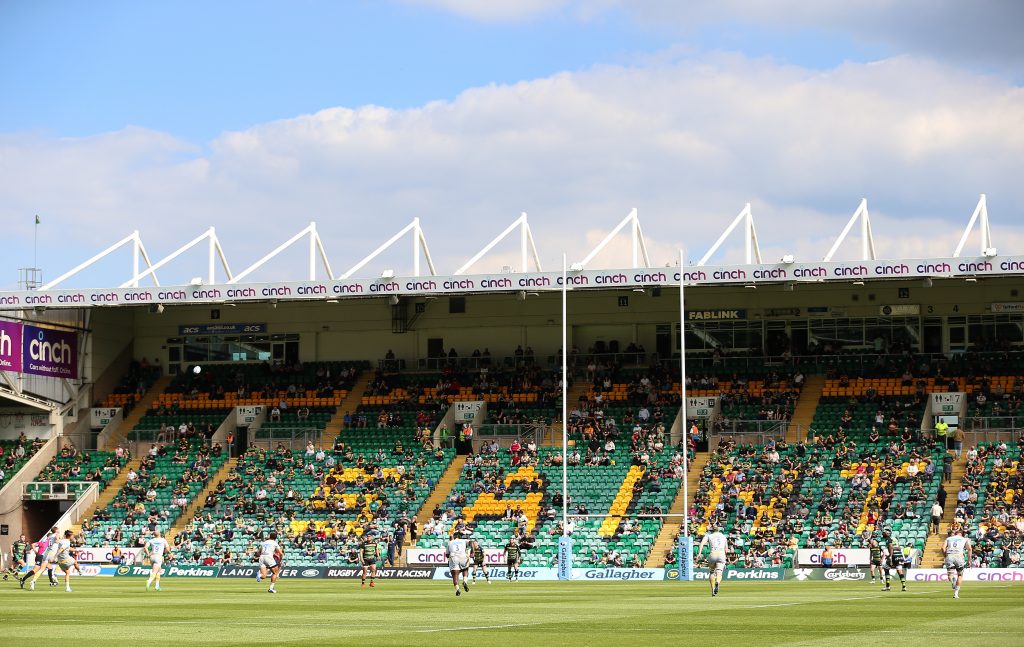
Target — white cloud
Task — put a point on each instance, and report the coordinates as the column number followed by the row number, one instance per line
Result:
column 686, row 142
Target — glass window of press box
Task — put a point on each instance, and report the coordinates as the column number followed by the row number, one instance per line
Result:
column 186, row 351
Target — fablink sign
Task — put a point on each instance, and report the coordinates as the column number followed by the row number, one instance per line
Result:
column 534, row 281
column 38, row 351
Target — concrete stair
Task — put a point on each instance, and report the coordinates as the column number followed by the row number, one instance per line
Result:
column 554, row 435
column 141, row 407
column 348, row 405
column 440, row 494
column 932, row 557
column 113, row 487
column 803, row 415
column 665, row 541
column 197, row 503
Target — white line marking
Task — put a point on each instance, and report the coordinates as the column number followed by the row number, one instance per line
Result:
column 522, row 624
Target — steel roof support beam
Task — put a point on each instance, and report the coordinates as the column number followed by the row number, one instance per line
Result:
column 137, row 250
column 315, row 244
column 867, row 238
column 752, row 251
column 419, row 244
column 214, row 251
column 527, row 246
column 980, row 212
column 639, row 245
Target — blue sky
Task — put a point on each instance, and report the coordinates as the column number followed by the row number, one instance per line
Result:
column 196, row 69
column 171, row 117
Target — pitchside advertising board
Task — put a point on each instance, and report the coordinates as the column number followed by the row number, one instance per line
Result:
column 534, row 281
column 291, row 572
column 38, row 351
column 840, row 556
column 547, row 574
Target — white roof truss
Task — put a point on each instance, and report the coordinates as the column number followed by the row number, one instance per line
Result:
column 980, row 214
column 867, row 238
column 752, row 251
column 419, row 244
column 639, row 245
column 316, row 246
column 528, row 248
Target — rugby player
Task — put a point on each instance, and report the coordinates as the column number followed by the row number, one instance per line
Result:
column 369, row 556
column 896, row 562
column 270, row 556
column 512, row 559
column 457, row 553
column 44, row 559
column 154, row 550
column 479, row 563
column 875, row 553
column 66, row 560
column 958, row 552
column 717, row 544
column 19, row 555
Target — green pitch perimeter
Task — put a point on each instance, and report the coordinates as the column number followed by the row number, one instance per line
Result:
column 118, row 611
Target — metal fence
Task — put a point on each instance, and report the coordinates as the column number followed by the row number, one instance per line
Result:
column 994, row 423
column 293, row 438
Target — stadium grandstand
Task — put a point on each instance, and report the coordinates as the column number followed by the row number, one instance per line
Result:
column 821, row 406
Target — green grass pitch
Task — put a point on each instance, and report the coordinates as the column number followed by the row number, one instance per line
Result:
column 118, row 611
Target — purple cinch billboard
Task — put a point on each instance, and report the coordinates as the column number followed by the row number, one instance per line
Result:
column 48, row 352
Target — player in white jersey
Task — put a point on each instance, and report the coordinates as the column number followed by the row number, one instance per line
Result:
column 155, row 550
column 958, row 552
column 717, row 544
column 66, row 560
column 457, row 553
column 270, row 555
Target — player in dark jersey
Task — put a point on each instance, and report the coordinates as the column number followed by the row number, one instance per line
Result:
column 875, row 563
column 369, row 553
column 895, row 563
column 479, row 563
column 19, row 553
column 512, row 558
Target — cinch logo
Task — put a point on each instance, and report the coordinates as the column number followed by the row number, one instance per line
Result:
column 1012, row 266
column 983, row 266
column 574, row 280
column 42, row 298
column 138, row 296
column 351, row 288
column 241, row 292
column 55, row 352
column 420, row 285
column 206, row 294
column 933, row 268
column 610, row 279
column 887, row 270
column 71, row 298
column 854, row 270
column 492, row 283
column 10, row 301
column 172, row 295
column 104, row 297
column 810, row 272
column 692, row 277
column 390, row 286
column 728, row 275
column 463, row 284
column 281, row 291
column 535, row 282
column 774, row 273
column 656, row 277
column 312, row 289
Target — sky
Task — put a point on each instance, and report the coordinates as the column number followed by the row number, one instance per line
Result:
column 259, row 117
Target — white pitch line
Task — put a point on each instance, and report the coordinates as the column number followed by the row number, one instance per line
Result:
column 521, row 624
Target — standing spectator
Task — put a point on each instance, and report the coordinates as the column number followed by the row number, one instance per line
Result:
column 936, row 516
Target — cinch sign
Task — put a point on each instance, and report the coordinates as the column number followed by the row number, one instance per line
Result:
column 51, row 353
column 10, row 346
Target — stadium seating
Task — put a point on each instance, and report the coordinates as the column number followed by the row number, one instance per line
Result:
column 164, row 487
column 10, row 463
column 133, row 384
column 84, row 466
column 299, row 494
column 995, row 495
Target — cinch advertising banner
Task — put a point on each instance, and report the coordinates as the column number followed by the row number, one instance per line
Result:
column 10, row 346
column 50, row 353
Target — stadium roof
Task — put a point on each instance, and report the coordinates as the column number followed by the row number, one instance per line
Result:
column 324, row 284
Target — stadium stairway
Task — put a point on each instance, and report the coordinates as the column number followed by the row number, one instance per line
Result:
column 348, row 405
column 810, row 396
column 120, row 434
column 932, row 557
column 439, row 495
column 665, row 540
column 109, row 492
column 554, row 436
column 200, row 499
